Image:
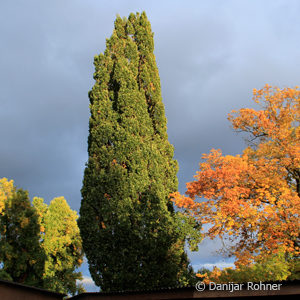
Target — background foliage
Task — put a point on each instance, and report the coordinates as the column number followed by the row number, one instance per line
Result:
column 39, row 245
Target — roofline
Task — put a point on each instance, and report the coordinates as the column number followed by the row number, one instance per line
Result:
column 21, row 285
column 167, row 289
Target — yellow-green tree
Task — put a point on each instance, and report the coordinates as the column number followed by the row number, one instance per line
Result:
column 274, row 267
column 60, row 239
column 40, row 245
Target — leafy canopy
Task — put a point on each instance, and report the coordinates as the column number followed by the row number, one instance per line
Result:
column 40, row 245
column 20, row 253
column 254, row 198
column 60, row 239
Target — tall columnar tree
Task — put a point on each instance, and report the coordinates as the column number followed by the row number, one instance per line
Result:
column 131, row 234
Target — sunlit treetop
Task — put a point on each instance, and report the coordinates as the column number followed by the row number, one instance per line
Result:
column 254, row 198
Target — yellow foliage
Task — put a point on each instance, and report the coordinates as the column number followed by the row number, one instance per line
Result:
column 24, row 222
column 6, row 191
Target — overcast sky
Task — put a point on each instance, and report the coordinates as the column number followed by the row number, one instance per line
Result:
column 210, row 55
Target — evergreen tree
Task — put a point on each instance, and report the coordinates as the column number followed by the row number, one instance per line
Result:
column 131, row 235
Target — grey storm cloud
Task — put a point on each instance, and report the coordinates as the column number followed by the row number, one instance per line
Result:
column 210, row 55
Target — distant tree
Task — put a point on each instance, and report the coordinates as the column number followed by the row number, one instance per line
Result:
column 21, row 256
column 60, row 239
column 132, row 237
column 272, row 268
column 254, row 198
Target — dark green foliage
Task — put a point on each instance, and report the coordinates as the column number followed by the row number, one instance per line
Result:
column 5, row 276
column 295, row 269
column 20, row 252
column 131, row 235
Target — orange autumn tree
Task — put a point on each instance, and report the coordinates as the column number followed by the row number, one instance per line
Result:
column 253, row 199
